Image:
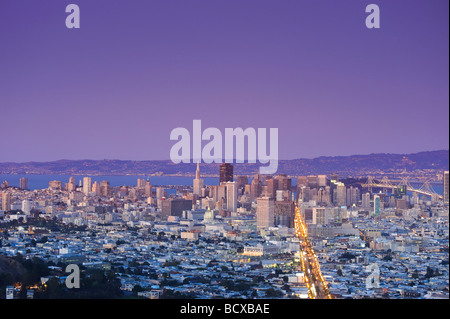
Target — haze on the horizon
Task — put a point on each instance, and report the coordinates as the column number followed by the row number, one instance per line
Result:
column 168, row 160
column 115, row 88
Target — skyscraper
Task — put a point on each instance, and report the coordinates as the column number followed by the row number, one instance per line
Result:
column 366, row 200
column 256, row 187
column 334, row 177
column 302, row 181
column 265, row 212
column 23, row 183
column 140, row 183
column 322, row 180
column 352, row 196
column 376, row 205
column 226, row 173
column 312, row 181
column 272, row 187
column 284, row 213
column 242, row 180
column 148, row 188
column 284, row 182
column 198, row 182
column 71, row 186
column 96, row 188
column 6, row 201
column 105, row 189
column 87, row 185
column 159, row 196
column 341, row 195
column 159, row 192
column 231, row 194
column 446, row 190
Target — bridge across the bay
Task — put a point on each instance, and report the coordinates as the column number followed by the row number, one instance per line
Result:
column 426, row 189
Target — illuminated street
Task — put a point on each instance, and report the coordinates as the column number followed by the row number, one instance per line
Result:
column 317, row 287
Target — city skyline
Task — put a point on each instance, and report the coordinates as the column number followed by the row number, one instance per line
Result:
column 223, row 161
column 134, row 71
column 272, row 238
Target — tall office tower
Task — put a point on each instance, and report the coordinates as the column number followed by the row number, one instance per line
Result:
column 321, row 195
column 226, row 172
column 352, row 196
column 322, row 180
column 356, row 195
column 302, row 181
column 26, row 206
column 256, row 187
column 198, row 182
column 105, row 189
column 366, row 200
column 334, row 177
column 327, row 195
column 305, row 194
column 221, row 192
column 159, row 192
column 87, row 185
column 213, row 192
column 159, row 196
column 284, row 183
column 71, row 186
column 341, row 194
column 148, row 188
column 446, row 190
column 265, row 212
column 231, row 196
column 247, row 189
column 314, row 194
column 23, row 183
column 376, row 205
column 241, row 180
column 333, row 185
column 349, row 197
column 141, row 183
column 272, row 187
column 312, row 181
column 284, row 213
column 6, row 201
column 96, row 188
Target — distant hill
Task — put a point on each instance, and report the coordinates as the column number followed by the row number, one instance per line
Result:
column 355, row 165
column 11, row 268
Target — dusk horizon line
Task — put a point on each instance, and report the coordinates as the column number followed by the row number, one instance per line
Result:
column 168, row 160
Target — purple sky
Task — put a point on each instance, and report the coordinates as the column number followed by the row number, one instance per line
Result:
column 137, row 69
